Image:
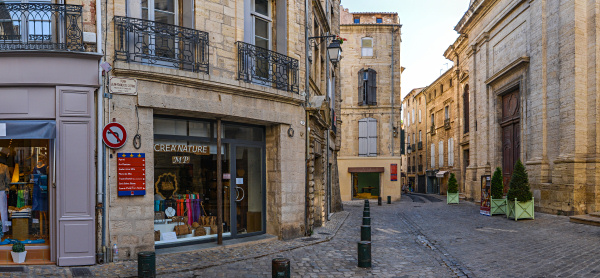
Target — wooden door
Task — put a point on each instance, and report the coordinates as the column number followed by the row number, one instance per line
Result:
column 511, row 139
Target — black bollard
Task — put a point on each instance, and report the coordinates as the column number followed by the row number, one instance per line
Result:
column 364, row 254
column 379, row 201
column 367, row 209
column 367, row 221
column 366, row 203
column 280, row 268
column 146, row 264
column 366, row 213
column 365, row 233
column 389, row 199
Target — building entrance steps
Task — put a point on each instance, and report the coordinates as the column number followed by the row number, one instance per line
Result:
column 588, row 219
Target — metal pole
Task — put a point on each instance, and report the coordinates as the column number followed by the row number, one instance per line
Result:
column 306, row 129
column 219, row 187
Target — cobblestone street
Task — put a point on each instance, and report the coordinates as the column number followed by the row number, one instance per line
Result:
column 420, row 236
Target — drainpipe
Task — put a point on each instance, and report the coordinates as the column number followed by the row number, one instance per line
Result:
column 100, row 149
column 306, row 104
column 328, row 92
column 392, row 116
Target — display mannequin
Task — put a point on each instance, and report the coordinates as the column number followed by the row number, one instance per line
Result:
column 4, row 182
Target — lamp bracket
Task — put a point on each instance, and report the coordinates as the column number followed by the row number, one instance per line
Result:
column 312, row 40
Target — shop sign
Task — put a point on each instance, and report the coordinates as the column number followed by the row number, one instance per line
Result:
column 114, row 135
column 227, row 176
column 181, row 159
column 123, row 86
column 131, row 174
column 486, row 187
column 167, row 148
column 394, row 172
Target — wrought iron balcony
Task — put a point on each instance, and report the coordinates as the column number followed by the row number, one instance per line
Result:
column 38, row 26
column 265, row 67
column 420, row 145
column 420, row 168
column 154, row 43
column 447, row 123
column 413, row 147
column 413, row 168
column 432, row 131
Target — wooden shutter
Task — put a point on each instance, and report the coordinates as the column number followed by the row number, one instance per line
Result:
column 441, row 153
column 361, row 91
column 432, row 156
column 363, row 137
column 372, row 97
column 372, row 141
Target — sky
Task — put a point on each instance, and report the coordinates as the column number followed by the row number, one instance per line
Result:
column 427, row 31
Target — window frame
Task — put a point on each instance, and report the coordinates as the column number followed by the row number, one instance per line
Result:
column 362, row 47
column 268, row 18
column 379, row 20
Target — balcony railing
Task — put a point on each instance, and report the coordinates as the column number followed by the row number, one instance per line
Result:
column 447, row 123
column 265, row 67
column 154, row 43
column 413, row 168
column 420, row 145
column 413, row 147
column 37, row 26
column 432, row 131
column 420, row 168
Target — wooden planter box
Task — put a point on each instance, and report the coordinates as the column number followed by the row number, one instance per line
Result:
column 520, row 210
column 498, row 206
column 451, row 198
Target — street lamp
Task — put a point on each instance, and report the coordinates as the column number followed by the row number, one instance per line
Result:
column 335, row 51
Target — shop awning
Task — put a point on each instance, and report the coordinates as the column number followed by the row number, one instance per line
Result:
column 27, row 129
column 441, row 174
column 366, row 169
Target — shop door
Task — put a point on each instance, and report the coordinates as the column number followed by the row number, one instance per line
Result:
column 510, row 135
column 421, row 182
column 248, row 190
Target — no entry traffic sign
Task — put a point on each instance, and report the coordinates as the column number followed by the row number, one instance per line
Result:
column 114, row 135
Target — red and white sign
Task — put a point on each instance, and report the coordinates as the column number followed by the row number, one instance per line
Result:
column 114, row 135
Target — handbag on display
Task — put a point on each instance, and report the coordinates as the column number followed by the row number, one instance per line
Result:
column 157, row 235
column 200, row 231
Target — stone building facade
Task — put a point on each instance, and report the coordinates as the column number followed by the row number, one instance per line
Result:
column 238, row 67
column 369, row 160
column 49, row 85
column 442, row 126
column 414, row 109
column 529, row 70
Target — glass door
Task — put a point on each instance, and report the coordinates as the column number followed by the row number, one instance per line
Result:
column 247, row 190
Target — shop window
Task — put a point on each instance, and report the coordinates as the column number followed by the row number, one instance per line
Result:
column 185, row 180
column 24, row 174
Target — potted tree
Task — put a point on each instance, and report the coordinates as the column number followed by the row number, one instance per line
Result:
column 452, row 194
column 498, row 201
column 18, row 252
column 519, row 197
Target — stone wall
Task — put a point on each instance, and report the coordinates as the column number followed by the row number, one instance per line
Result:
column 548, row 51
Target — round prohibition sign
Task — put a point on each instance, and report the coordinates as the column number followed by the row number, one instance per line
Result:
column 114, row 135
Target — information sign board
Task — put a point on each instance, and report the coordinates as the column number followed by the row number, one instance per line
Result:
column 131, row 174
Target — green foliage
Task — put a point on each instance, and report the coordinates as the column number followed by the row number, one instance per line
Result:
column 497, row 186
column 452, row 184
column 18, row 247
column 519, row 184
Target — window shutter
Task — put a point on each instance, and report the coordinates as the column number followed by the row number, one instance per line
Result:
column 361, row 91
column 432, row 156
column 372, row 137
column 372, row 98
column 441, row 154
column 451, row 152
column 362, row 137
